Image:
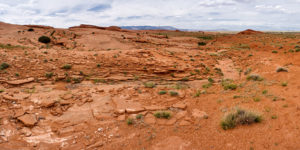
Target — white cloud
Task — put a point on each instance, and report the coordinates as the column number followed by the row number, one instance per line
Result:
column 191, row 14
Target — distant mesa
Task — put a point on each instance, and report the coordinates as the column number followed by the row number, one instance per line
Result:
column 149, row 28
column 111, row 28
column 39, row 26
column 250, row 32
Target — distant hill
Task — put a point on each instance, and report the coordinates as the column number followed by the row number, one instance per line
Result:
column 148, row 28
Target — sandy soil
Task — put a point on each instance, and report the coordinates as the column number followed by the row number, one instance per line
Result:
column 119, row 79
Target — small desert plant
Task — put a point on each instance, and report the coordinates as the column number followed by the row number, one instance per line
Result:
column 208, row 85
column 284, row 84
column 239, row 117
column 48, row 74
column 281, row 69
column 1, row 90
column 162, row 92
column 44, row 39
column 275, row 52
column 129, row 121
column 255, row 77
column 173, row 93
column 264, row 91
column 139, row 116
column 67, row 66
column 256, row 99
column 228, row 85
column 162, row 114
column 149, row 85
column 4, row 66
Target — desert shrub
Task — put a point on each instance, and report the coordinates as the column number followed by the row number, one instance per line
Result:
column 275, row 52
column 284, row 84
column 201, row 43
column 239, row 117
column 162, row 114
column 139, row 116
column 281, row 69
column 255, row 77
column 44, row 39
column 228, row 85
column 162, row 92
column 149, row 85
column 4, row 66
column 173, row 93
column 30, row 30
column 129, row 121
column 67, row 66
column 48, row 74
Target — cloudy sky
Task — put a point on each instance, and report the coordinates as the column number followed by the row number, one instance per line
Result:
column 184, row 14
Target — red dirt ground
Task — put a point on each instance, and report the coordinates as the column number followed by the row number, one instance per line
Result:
column 89, row 106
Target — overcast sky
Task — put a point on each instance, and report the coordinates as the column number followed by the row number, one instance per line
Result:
column 184, row 14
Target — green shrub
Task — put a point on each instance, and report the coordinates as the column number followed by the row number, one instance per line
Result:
column 162, row 114
column 67, row 66
column 49, row 74
column 228, row 85
column 139, row 116
column 284, row 84
column 129, row 121
column 4, row 66
column 173, row 93
column 162, row 92
column 275, row 52
column 239, row 117
column 44, row 39
column 281, row 69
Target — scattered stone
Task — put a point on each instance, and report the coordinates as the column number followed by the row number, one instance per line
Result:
column 48, row 103
column 28, row 119
column 134, row 110
column 26, row 131
column 18, row 112
column 199, row 114
column 19, row 82
column 10, row 98
column 67, row 96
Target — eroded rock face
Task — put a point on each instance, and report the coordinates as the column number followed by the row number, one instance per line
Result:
column 19, row 82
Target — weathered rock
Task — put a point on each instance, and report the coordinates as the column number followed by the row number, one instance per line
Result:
column 10, row 98
column 134, row 110
column 48, row 102
column 154, row 108
column 28, row 119
column 26, row 131
column 18, row 112
column 184, row 123
column 181, row 114
column 19, row 82
column 150, row 119
column 180, row 105
column 199, row 114
column 121, row 118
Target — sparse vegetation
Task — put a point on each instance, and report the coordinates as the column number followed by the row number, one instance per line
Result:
column 173, row 93
column 284, row 83
column 129, row 121
column 228, row 85
column 149, row 85
column 162, row 114
column 49, row 74
column 240, row 117
column 162, row 92
column 67, row 67
column 255, row 77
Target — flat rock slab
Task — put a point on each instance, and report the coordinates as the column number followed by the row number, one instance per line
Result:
column 228, row 69
column 19, row 82
column 197, row 114
column 28, row 119
column 172, row 143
